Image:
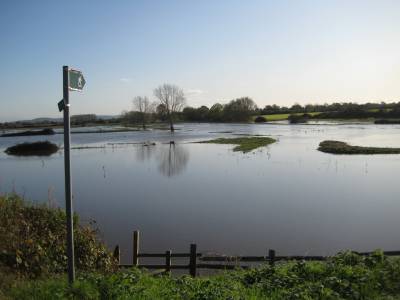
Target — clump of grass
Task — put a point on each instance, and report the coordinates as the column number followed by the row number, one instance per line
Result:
column 337, row 147
column 244, row 144
column 33, row 149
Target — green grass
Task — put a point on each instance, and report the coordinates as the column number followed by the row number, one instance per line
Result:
column 337, row 147
column 344, row 276
column 244, row 144
column 377, row 109
column 281, row 117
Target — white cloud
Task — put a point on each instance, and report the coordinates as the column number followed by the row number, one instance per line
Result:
column 125, row 79
column 193, row 92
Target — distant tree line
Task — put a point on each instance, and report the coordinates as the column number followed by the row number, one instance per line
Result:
column 170, row 108
column 242, row 109
column 237, row 110
column 333, row 107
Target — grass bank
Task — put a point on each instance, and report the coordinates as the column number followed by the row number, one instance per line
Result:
column 337, row 147
column 344, row 276
column 244, row 144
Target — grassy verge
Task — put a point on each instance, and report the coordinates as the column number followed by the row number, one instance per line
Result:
column 244, row 144
column 344, row 276
column 337, row 147
column 281, row 117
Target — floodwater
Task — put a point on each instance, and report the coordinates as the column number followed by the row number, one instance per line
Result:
column 287, row 196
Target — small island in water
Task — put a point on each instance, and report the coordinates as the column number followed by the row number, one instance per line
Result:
column 33, row 149
column 244, row 144
column 338, row 147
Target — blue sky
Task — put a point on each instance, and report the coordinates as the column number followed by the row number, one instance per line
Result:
column 272, row 51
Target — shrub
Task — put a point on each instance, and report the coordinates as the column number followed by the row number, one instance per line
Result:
column 295, row 119
column 33, row 240
column 260, row 119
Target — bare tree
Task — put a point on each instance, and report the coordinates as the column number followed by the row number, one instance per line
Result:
column 172, row 98
column 144, row 107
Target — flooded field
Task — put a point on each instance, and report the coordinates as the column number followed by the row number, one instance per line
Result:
column 287, row 196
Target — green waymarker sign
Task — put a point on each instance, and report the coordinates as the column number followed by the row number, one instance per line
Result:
column 76, row 80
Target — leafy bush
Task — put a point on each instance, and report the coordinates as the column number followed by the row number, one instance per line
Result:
column 260, row 119
column 297, row 118
column 33, row 240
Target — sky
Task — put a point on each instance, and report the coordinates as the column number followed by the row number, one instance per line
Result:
column 276, row 52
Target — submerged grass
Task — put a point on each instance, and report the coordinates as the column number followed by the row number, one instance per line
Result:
column 337, row 147
column 244, row 144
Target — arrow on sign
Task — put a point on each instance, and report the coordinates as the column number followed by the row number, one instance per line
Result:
column 61, row 105
column 76, row 80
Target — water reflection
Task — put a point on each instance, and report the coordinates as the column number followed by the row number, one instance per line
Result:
column 173, row 160
column 145, row 152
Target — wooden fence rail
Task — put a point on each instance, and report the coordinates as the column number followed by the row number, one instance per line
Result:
column 193, row 256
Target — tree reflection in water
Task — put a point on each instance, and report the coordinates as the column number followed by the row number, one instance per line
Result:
column 145, row 152
column 173, row 160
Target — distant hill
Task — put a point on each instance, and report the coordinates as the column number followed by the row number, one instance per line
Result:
column 41, row 120
column 45, row 120
column 107, row 117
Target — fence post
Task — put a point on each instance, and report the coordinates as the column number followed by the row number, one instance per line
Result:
column 135, row 248
column 193, row 258
column 117, row 254
column 168, row 261
column 271, row 256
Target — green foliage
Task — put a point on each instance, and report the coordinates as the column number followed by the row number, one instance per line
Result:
column 344, row 276
column 237, row 110
column 32, row 240
column 298, row 118
column 245, row 144
column 260, row 119
column 337, row 147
